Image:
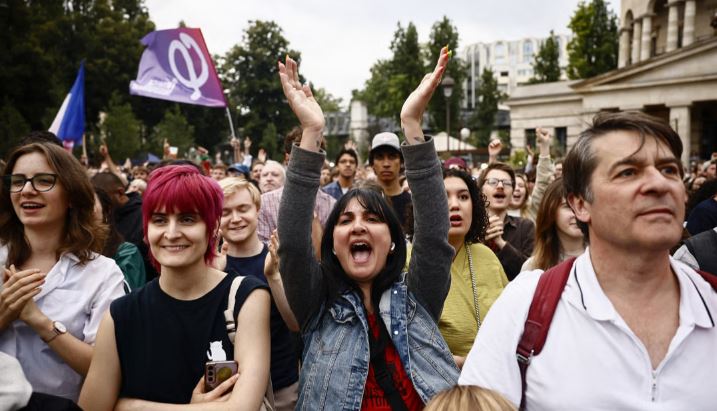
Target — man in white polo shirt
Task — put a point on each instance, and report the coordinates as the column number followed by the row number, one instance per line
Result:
column 633, row 329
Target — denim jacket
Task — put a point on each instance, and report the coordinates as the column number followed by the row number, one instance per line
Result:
column 339, row 335
column 335, row 332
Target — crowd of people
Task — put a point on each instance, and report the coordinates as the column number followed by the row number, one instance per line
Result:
column 395, row 282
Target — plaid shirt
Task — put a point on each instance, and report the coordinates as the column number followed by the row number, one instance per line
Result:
column 269, row 211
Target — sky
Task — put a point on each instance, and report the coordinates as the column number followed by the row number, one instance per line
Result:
column 340, row 40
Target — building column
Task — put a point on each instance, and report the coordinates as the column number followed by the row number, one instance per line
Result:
column 624, row 55
column 680, row 121
column 688, row 34
column 672, row 25
column 636, row 40
column 646, row 36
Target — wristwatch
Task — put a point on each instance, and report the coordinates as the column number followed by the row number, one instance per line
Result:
column 58, row 328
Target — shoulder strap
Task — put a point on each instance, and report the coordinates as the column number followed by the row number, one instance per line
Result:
column 703, row 247
column 709, row 277
column 384, row 376
column 540, row 315
column 229, row 319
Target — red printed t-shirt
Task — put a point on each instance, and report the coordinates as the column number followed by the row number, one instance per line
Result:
column 373, row 396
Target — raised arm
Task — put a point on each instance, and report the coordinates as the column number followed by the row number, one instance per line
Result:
column 544, row 172
column 429, row 268
column 300, row 272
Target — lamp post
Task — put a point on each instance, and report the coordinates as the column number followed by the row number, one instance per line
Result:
column 447, row 85
column 465, row 133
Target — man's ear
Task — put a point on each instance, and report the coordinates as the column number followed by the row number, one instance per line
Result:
column 580, row 207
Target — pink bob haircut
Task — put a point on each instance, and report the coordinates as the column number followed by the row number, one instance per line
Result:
column 182, row 189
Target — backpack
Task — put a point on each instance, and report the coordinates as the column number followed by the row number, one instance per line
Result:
column 268, row 401
column 703, row 247
column 540, row 315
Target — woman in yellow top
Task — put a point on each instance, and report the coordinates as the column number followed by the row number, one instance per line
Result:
column 477, row 277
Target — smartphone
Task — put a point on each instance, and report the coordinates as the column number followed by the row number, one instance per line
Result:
column 216, row 372
column 173, row 150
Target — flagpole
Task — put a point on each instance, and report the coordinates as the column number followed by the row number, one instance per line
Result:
column 231, row 123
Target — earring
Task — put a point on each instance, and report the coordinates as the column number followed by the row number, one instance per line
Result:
column 333, row 250
column 393, row 246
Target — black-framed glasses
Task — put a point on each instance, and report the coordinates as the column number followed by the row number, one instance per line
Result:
column 40, row 182
column 493, row 182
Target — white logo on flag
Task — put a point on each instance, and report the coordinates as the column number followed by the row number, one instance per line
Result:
column 195, row 82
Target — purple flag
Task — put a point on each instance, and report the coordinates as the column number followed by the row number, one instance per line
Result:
column 176, row 66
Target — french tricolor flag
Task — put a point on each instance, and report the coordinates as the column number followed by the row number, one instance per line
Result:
column 69, row 124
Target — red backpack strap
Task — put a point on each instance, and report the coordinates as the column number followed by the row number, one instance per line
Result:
column 709, row 277
column 542, row 308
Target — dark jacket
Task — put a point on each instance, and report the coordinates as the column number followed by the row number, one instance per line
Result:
column 519, row 235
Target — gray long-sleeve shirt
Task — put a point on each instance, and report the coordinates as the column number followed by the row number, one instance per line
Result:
column 429, row 269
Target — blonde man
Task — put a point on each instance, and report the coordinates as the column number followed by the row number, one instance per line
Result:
column 246, row 255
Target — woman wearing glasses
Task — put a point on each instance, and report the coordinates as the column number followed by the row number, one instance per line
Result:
column 511, row 238
column 55, row 286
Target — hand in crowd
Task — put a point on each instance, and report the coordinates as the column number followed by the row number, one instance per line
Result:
column 494, row 147
column 261, row 155
column 302, row 103
column 494, row 232
column 104, row 151
column 235, row 143
column 417, row 101
column 350, row 145
column 220, row 259
column 18, row 290
column 543, row 138
column 271, row 264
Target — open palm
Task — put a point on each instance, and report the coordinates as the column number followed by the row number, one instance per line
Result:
column 301, row 99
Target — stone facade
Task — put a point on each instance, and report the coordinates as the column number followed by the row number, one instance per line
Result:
column 669, row 70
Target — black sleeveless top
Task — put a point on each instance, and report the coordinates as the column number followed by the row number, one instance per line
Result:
column 163, row 343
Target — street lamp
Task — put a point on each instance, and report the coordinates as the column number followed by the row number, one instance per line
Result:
column 465, row 133
column 447, row 85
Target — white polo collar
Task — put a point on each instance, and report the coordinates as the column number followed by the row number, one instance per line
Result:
column 696, row 302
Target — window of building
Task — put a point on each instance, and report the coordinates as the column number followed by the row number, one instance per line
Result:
column 561, row 139
column 500, row 53
column 530, row 137
column 527, row 51
column 504, row 74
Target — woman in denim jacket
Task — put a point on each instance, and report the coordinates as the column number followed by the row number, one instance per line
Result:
column 370, row 331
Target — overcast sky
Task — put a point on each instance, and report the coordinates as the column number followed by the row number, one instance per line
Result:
column 340, row 40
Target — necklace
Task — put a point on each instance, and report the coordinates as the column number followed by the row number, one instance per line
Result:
column 473, row 283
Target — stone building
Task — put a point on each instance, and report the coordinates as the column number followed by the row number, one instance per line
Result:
column 510, row 61
column 667, row 67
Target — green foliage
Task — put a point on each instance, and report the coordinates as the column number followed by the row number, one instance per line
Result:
column 594, row 47
column 393, row 80
column 175, row 128
column 250, row 72
column 270, row 142
column 43, row 42
column 12, row 128
column 121, row 129
column 483, row 119
column 546, row 67
column 444, row 33
column 326, row 100
column 518, row 159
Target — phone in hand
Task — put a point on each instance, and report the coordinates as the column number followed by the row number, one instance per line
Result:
column 216, row 372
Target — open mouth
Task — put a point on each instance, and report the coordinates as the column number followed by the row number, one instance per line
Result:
column 456, row 220
column 360, row 252
column 499, row 196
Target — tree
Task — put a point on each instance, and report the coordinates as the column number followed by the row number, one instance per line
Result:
column 594, row 47
column 12, row 128
column 326, row 100
column 175, row 128
column 444, row 33
column 393, row 80
column 250, row 72
column 483, row 119
column 122, row 129
column 546, row 67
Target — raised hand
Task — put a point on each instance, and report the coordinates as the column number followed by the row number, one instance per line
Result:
column 417, row 101
column 494, row 147
column 261, row 155
column 302, row 103
column 543, row 138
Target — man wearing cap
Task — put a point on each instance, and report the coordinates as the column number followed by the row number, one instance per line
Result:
column 386, row 160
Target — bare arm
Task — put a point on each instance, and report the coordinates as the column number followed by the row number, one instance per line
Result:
column 102, row 385
column 271, row 272
column 251, row 351
column 105, row 153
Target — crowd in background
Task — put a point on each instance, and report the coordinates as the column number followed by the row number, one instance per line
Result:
column 363, row 282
